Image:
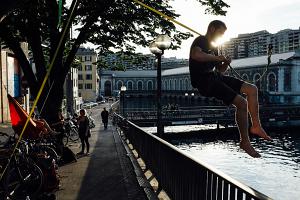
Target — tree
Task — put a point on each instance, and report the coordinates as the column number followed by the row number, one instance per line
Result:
column 118, row 24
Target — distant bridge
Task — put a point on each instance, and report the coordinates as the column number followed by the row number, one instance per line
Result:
column 212, row 115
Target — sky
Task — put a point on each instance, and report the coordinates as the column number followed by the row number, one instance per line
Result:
column 243, row 16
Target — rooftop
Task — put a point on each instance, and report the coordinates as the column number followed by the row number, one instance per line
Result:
column 130, row 73
column 86, row 51
column 241, row 63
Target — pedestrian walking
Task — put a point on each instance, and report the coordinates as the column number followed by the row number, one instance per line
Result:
column 104, row 116
column 84, row 131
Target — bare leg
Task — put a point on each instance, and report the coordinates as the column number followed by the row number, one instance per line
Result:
column 241, row 117
column 252, row 97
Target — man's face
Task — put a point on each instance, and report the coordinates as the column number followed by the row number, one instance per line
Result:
column 217, row 33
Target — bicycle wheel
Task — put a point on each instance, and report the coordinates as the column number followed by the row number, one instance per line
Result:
column 23, row 179
column 50, row 152
column 74, row 136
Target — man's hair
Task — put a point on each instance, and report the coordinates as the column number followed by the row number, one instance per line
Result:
column 216, row 24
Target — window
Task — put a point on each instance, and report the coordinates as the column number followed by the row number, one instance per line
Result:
column 88, row 68
column 140, row 85
column 245, row 77
column 80, row 86
column 175, row 85
column 287, row 80
column 80, row 77
column 186, row 84
column 119, row 85
column 150, row 85
column 89, row 77
column 79, row 68
column 129, row 85
column 272, row 83
column 180, row 84
column 88, row 58
column 88, row 86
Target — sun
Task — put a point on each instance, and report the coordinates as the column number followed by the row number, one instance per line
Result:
column 220, row 41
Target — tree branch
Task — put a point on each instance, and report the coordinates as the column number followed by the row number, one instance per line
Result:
column 52, row 23
column 58, row 68
column 34, row 38
column 79, row 40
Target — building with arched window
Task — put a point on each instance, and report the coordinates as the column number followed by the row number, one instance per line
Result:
column 281, row 81
column 134, row 80
column 271, row 83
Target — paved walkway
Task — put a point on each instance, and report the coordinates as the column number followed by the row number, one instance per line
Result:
column 106, row 173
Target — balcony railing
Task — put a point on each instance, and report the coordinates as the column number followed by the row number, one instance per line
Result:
column 180, row 175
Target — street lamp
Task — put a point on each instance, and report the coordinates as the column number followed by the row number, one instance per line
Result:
column 123, row 90
column 192, row 98
column 112, row 84
column 161, row 43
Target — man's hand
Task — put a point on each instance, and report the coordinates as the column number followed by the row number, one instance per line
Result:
column 222, row 67
column 224, row 59
column 225, row 62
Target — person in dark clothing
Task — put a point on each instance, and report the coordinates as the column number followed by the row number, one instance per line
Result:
column 84, row 131
column 104, row 116
column 207, row 70
column 59, row 127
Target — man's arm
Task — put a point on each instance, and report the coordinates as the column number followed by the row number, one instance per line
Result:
column 222, row 68
column 199, row 55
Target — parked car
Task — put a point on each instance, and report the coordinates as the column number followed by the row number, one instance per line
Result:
column 100, row 98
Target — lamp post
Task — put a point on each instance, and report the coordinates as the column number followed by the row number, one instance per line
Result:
column 189, row 98
column 123, row 90
column 192, row 98
column 112, row 84
column 161, row 43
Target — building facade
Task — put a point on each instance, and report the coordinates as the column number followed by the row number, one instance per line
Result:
column 11, row 77
column 88, row 79
column 280, row 83
column 128, row 62
column 134, row 80
column 72, row 103
column 256, row 44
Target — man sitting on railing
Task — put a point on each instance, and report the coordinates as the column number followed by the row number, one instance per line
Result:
column 207, row 75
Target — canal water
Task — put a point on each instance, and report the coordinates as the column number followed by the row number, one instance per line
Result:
column 276, row 173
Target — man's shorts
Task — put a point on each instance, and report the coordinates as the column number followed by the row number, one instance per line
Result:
column 214, row 84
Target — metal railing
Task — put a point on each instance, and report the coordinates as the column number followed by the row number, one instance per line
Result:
column 179, row 174
column 209, row 114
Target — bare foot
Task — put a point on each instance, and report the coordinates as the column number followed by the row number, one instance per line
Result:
column 260, row 132
column 247, row 147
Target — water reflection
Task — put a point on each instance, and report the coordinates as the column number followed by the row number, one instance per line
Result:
column 276, row 174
